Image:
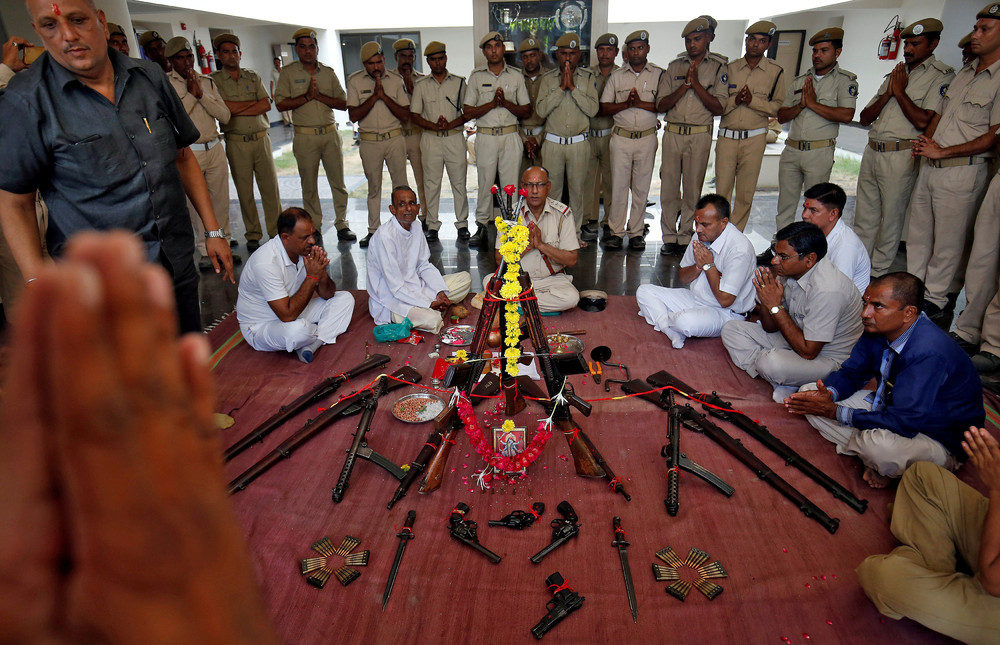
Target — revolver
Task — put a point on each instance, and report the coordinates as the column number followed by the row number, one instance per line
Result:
column 520, row 519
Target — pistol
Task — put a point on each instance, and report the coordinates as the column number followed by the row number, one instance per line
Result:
column 465, row 531
column 564, row 602
column 563, row 528
column 520, row 519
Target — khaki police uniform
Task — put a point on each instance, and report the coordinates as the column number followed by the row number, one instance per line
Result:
column 567, row 126
column 888, row 170
column 534, row 124
column 381, row 136
column 498, row 144
column 248, row 148
column 739, row 150
column 316, row 138
column 808, row 155
column 687, row 143
column 599, row 168
column 208, row 150
column 948, row 191
column 633, row 147
column 412, row 137
column 440, row 150
column 982, row 271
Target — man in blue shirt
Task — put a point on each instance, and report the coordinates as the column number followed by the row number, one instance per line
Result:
column 928, row 391
column 104, row 138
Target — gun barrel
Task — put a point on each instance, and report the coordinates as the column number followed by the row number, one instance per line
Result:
column 359, row 440
column 552, row 546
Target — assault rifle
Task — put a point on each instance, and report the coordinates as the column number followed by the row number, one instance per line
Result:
column 717, row 407
column 563, row 529
column 563, row 603
column 321, row 390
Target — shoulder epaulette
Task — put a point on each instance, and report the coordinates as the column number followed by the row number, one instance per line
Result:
column 719, row 57
column 942, row 67
column 850, row 75
column 357, row 73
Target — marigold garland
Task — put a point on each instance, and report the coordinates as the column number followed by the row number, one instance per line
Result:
column 513, row 242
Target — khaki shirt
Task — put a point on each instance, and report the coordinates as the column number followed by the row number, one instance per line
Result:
column 616, row 90
column 969, row 106
column 601, row 122
column 204, row 112
column 689, row 109
column 410, row 127
column 380, row 119
column 534, row 119
column 294, row 82
column 433, row 99
column 926, row 85
column 558, row 228
column 483, row 86
column 824, row 303
column 247, row 87
column 838, row 88
column 567, row 113
column 767, row 90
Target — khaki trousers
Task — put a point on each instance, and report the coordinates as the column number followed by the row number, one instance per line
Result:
column 392, row 153
column 554, row 292
column 983, row 265
column 567, row 164
column 598, row 177
column 769, row 355
column 249, row 159
column 437, row 155
column 631, row 170
column 939, row 520
column 427, row 319
column 309, row 150
column 799, row 170
column 885, row 185
column 737, row 163
column 942, row 214
column 683, row 164
column 215, row 168
column 495, row 154
column 413, row 155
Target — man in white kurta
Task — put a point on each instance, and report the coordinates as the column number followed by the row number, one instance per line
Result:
column 717, row 266
column 824, row 206
column 402, row 283
column 287, row 301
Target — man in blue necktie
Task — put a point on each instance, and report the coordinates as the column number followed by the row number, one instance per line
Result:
column 927, row 391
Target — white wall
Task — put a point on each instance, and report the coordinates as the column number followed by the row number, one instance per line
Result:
column 460, row 44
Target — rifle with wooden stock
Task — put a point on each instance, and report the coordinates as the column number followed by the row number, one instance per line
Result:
column 321, row 390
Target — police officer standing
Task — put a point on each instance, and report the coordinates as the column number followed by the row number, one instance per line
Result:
column 377, row 102
column 205, row 107
column 405, row 52
column 312, row 91
column 899, row 113
column 692, row 91
column 816, row 103
column 248, row 146
column 117, row 38
column 599, row 168
column 756, row 90
column 630, row 97
column 497, row 98
column 436, row 107
column 154, row 47
column 567, row 98
column 533, row 125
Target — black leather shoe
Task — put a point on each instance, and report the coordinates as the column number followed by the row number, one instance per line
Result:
column 365, row 240
column 588, row 233
column 233, row 244
column 613, row 243
column 931, row 309
column 605, row 232
column 636, row 244
column 985, row 362
column 431, row 235
column 463, row 234
column 318, row 239
column 252, row 245
column 670, row 248
column 969, row 348
column 237, row 260
column 346, row 235
column 479, row 239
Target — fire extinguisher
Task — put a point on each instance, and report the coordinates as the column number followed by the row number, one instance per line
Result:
column 888, row 48
column 203, row 61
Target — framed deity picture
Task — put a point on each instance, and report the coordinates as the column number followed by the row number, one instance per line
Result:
column 510, row 443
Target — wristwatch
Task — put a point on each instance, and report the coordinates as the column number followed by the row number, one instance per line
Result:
column 218, row 233
column 774, row 310
column 706, row 267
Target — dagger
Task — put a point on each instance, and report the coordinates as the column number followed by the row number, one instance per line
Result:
column 405, row 535
column 622, row 545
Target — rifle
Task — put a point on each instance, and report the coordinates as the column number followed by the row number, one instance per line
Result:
column 563, row 603
column 360, row 448
column 313, row 427
column 520, row 519
column 676, row 460
column 562, row 530
column 324, row 388
column 717, row 407
column 465, row 531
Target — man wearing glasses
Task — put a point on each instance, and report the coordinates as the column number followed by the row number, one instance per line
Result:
column 552, row 243
column 810, row 315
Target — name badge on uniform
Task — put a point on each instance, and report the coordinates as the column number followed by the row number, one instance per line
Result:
column 300, row 80
column 366, row 91
column 487, row 84
column 678, row 78
column 732, row 86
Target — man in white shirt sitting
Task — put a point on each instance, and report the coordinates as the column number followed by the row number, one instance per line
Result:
column 402, row 283
column 823, row 206
column 717, row 267
column 287, row 301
